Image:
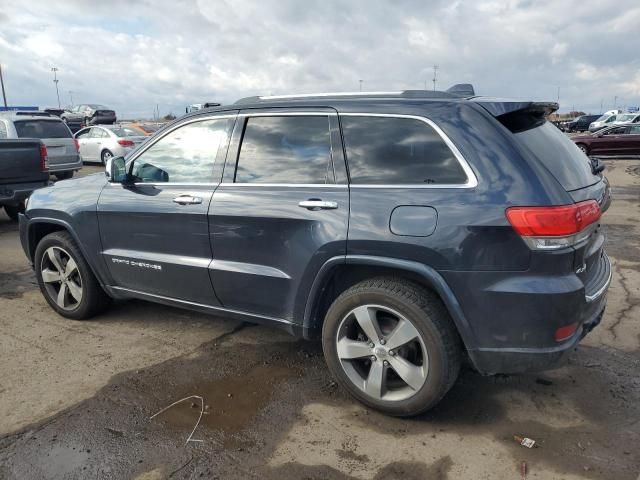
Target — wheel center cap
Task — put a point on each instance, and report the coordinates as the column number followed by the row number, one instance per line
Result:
column 380, row 352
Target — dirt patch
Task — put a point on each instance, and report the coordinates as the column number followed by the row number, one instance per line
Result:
column 633, row 170
column 622, row 242
column 14, row 284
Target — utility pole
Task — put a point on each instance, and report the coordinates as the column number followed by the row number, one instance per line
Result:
column 71, row 97
column 435, row 76
column 558, row 96
column 4, row 95
column 601, row 104
column 55, row 80
column 360, row 84
column 615, row 102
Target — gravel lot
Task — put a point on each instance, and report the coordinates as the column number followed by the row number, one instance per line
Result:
column 76, row 397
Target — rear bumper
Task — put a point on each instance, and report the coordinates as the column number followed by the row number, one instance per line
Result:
column 65, row 167
column 14, row 194
column 514, row 318
column 519, row 360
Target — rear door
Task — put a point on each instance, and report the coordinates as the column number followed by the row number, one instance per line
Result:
column 280, row 212
column 154, row 231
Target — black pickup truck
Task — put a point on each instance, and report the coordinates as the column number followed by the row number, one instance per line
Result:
column 23, row 168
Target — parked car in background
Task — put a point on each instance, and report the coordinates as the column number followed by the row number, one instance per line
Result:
column 62, row 150
column 54, row 111
column 89, row 114
column 602, row 122
column 100, row 143
column 581, row 124
column 139, row 127
column 624, row 118
column 408, row 230
column 23, row 169
column 616, row 140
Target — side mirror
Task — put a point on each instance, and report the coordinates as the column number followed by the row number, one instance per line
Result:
column 116, row 170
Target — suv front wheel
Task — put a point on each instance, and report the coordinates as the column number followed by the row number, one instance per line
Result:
column 392, row 345
column 65, row 278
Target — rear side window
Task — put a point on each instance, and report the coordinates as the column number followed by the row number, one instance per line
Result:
column 285, row 149
column 42, row 129
column 559, row 155
column 3, row 130
column 398, row 151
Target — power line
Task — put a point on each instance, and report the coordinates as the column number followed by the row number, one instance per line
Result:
column 4, row 95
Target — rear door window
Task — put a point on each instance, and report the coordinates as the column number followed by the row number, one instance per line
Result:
column 559, row 155
column 398, row 151
column 285, row 149
column 42, row 129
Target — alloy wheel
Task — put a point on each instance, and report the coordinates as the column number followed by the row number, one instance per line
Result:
column 61, row 277
column 382, row 353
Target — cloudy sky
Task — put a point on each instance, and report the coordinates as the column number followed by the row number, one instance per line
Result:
column 134, row 54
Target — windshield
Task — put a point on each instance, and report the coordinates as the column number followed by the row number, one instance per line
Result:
column 97, row 107
column 42, row 129
column 560, row 155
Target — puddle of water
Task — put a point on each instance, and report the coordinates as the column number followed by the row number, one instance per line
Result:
column 230, row 402
column 14, row 284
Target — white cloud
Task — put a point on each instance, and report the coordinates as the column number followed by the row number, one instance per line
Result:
column 134, row 55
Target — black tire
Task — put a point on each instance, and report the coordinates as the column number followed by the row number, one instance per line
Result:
column 583, row 147
column 430, row 318
column 105, row 155
column 13, row 210
column 94, row 299
column 64, row 175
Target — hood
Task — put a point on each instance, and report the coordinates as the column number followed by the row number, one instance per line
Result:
column 82, row 182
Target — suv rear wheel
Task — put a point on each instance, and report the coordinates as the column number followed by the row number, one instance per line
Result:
column 65, row 279
column 583, row 147
column 392, row 345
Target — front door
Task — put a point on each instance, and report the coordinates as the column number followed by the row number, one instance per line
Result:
column 154, row 231
column 279, row 214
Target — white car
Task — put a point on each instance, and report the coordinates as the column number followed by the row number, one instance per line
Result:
column 605, row 120
column 627, row 118
column 100, row 143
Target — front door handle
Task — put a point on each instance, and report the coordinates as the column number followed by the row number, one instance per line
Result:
column 316, row 204
column 187, row 200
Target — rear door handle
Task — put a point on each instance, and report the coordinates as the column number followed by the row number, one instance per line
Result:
column 314, row 204
column 187, row 200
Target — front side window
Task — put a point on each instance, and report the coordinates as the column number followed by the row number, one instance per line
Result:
column 635, row 130
column 398, row 151
column 3, row 130
column 285, row 149
column 186, row 155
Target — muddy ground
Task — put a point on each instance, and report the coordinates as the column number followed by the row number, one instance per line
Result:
column 76, row 397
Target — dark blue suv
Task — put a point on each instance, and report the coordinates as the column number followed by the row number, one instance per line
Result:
column 407, row 230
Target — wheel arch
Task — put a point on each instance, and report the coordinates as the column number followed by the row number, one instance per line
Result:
column 339, row 273
column 40, row 227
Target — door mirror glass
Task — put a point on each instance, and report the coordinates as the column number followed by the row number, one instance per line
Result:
column 116, row 170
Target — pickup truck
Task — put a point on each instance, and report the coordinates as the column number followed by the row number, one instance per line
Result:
column 23, row 168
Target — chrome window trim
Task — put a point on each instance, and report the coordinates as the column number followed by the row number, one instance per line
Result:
column 472, row 180
column 292, row 185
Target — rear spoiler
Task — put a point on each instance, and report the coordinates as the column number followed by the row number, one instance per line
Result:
column 516, row 115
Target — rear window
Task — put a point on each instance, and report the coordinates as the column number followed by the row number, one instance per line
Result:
column 398, row 151
column 559, row 155
column 42, row 129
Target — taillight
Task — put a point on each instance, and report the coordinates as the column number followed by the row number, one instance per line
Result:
column 44, row 159
column 550, row 228
column 126, row 143
column 566, row 332
column 75, row 140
